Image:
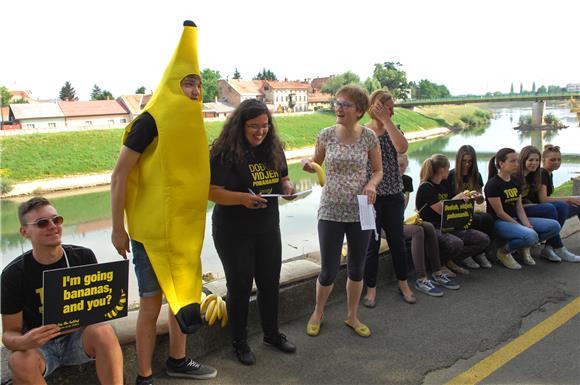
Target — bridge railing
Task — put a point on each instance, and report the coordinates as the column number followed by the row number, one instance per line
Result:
column 484, row 99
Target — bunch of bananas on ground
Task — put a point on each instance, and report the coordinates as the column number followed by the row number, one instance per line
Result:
column 414, row 220
column 214, row 308
column 319, row 172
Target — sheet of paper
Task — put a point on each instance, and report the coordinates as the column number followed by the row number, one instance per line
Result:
column 282, row 195
column 366, row 213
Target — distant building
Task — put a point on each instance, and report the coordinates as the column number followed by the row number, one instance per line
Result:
column 134, row 103
column 235, row 91
column 94, row 113
column 37, row 115
column 285, row 96
column 21, row 96
column 217, row 109
column 319, row 100
column 573, row 87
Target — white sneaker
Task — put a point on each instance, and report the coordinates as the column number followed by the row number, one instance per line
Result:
column 566, row 255
column 470, row 263
column 507, row 259
column 527, row 257
column 550, row 255
column 482, row 260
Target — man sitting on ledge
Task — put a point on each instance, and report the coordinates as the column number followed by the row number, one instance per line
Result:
column 38, row 350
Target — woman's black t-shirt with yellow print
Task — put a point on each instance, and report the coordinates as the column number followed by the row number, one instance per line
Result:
column 508, row 193
column 252, row 174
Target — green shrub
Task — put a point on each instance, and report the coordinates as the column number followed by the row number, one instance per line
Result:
column 6, row 185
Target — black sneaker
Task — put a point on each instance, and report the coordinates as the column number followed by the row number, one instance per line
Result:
column 244, row 353
column 190, row 369
column 280, row 342
column 144, row 380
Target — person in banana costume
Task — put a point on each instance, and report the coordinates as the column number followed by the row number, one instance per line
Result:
column 248, row 160
column 161, row 182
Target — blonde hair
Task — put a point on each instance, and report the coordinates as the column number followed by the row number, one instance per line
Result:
column 378, row 96
column 432, row 165
column 358, row 95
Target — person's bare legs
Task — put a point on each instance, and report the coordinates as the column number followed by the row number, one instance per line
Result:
column 371, row 294
column 353, row 292
column 27, row 367
column 177, row 340
column 405, row 289
column 146, row 333
column 322, row 293
column 100, row 342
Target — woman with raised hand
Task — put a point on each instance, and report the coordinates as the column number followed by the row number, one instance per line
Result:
column 466, row 177
column 566, row 206
column 453, row 246
column 346, row 148
column 248, row 160
column 504, row 202
column 424, row 246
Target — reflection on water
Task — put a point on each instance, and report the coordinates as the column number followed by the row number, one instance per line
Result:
column 88, row 221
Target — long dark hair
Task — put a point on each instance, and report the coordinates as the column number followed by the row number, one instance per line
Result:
column 500, row 156
column 536, row 178
column 473, row 173
column 231, row 146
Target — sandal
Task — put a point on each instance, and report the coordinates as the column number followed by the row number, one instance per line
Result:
column 313, row 329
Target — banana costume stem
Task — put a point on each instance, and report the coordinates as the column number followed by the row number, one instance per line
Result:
column 167, row 190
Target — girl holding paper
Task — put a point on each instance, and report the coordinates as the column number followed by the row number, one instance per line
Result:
column 346, row 147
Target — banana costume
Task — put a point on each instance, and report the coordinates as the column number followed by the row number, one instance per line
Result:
column 168, row 188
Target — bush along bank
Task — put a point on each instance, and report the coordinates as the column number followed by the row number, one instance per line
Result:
column 458, row 117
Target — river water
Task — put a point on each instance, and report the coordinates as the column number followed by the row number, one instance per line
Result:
column 87, row 212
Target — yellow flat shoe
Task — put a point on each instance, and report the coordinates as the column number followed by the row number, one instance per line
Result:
column 362, row 329
column 312, row 329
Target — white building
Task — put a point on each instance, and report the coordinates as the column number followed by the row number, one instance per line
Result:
column 37, row 115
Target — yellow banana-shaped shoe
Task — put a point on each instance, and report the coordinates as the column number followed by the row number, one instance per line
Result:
column 319, row 172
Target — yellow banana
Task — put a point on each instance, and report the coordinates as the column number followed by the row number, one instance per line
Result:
column 414, row 220
column 219, row 306
column 224, row 315
column 209, row 311
column 203, row 295
column 205, row 303
column 214, row 312
column 319, row 172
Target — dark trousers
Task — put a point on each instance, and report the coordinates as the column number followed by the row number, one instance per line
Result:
column 458, row 245
column 389, row 218
column 245, row 258
column 483, row 222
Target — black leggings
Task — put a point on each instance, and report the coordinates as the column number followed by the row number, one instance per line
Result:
column 245, row 257
column 331, row 236
column 389, row 210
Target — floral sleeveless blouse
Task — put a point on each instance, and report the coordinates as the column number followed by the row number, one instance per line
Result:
column 346, row 174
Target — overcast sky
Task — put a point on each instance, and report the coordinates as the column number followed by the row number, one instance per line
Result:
column 470, row 46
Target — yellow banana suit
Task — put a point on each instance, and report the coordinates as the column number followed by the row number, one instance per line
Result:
column 168, row 188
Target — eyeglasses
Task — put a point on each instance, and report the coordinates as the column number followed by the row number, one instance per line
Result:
column 42, row 223
column 340, row 104
column 549, row 147
column 256, row 127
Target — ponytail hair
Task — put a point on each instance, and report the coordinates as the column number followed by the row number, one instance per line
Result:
column 432, row 165
column 494, row 162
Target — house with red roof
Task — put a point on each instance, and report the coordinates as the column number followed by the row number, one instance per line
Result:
column 94, row 114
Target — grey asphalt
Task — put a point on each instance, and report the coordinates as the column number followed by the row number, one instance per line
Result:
column 429, row 342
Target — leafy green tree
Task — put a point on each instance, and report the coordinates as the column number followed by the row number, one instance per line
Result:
column 334, row 83
column 265, row 75
column 372, row 84
column 534, row 87
column 67, row 92
column 391, row 76
column 237, row 74
column 5, row 95
column 426, row 89
column 98, row 94
column 209, row 84
column 512, row 89
column 141, row 90
column 555, row 89
column 542, row 90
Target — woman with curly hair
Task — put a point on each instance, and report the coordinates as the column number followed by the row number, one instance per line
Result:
column 248, row 160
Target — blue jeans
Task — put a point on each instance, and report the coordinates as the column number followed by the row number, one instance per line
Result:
column 562, row 210
column 549, row 211
column 65, row 350
column 519, row 236
column 146, row 278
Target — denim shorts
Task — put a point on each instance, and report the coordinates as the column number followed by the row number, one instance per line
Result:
column 65, row 350
column 146, row 278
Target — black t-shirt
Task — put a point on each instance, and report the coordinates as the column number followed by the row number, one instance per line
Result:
column 466, row 185
column 530, row 190
column 548, row 180
column 252, row 174
column 22, row 283
column 143, row 132
column 407, row 183
column 508, row 193
column 428, row 194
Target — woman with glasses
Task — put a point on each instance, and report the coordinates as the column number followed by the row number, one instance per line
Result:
column 247, row 160
column 346, row 147
column 566, row 206
column 466, row 177
column 389, row 202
